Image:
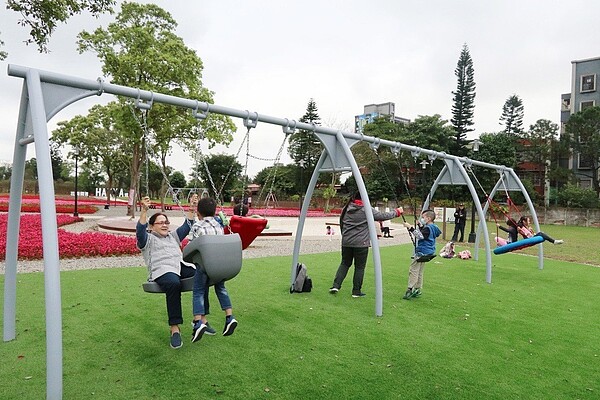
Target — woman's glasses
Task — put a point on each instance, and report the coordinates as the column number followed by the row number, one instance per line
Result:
column 161, row 223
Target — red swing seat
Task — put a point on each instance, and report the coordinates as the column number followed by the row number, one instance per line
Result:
column 247, row 227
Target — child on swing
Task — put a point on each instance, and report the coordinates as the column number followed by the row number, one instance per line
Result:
column 527, row 232
column 511, row 229
column 208, row 225
column 424, row 233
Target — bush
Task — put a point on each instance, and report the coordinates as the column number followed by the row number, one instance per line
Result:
column 576, row 197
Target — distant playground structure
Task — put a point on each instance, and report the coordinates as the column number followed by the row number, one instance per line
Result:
column 46, row 93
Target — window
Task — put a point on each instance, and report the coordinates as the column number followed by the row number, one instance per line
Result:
column 566, row 105
column 586, row 104
column 588, row 83
column 584, row 162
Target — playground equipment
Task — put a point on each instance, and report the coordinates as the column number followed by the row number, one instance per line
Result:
column 46, row 93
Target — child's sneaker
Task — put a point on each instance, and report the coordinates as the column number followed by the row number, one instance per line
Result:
column 230, row 325
column 334, row 290
column 408, row 294
column 176, row 340
column 559, row 241
column 210, row 330
column 416, row 292
column 198, row 331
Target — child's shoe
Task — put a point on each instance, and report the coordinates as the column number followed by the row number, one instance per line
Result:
column 198, row 331
column 230, row 325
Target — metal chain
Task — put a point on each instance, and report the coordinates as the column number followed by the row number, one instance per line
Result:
column 170, row 189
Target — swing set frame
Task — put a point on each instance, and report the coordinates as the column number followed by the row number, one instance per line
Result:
column 45, row 93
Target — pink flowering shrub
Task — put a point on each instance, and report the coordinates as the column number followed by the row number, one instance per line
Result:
column 70, row 245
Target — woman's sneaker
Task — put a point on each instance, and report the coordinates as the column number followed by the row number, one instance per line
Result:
column 176, row 340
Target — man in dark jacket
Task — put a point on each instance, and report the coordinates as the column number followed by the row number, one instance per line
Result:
column 460, row 220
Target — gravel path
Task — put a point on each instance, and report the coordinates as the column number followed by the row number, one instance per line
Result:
column 314, row 241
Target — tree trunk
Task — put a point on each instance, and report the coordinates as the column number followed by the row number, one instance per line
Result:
column 109, row 185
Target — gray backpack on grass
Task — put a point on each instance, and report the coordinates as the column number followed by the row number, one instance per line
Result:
column 302, row 283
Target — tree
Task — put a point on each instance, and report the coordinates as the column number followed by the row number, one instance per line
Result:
column 3, row 54
column 280, row 179
column 58, row 168
column 5, row 172
column 536, row 148
column 31, row 171
column 496, row 148
column 303, row 144
column 177, row 179
column 512, row 115
column 42, row 17
column 223, row 171
column 584, row 134
column 101, row 141
column 140, row 49
column 464, row 101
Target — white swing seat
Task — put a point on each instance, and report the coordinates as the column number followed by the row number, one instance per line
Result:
column 220, row 256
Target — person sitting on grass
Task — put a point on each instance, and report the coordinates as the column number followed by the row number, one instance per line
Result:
column 162, row 255
column 424, row 233
column 208, row 225
column 523, row 226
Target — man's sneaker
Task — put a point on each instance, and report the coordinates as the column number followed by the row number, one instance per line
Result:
column 230, row 325
column 210, row 330
column 408, row 294
column 416, row 292
column 334, row 290
column 198, row 331
column 176, row 340
column 559, row 241
column 360, row 294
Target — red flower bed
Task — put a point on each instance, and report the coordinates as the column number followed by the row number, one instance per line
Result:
column 70, row 245
column 60, row 208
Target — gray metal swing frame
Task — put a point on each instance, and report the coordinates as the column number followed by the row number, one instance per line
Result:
column 45, row 93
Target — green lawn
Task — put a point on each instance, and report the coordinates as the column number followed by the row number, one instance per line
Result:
column 531, row 334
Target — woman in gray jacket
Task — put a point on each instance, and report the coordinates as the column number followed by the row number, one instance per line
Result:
column 356, row 242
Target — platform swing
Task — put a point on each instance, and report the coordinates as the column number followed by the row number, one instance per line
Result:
column 494, row 207
column 519, row 244
column 220, row 256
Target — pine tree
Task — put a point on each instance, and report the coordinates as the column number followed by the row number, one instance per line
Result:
column 464, row 100
column 304, row 145
column 512, row 115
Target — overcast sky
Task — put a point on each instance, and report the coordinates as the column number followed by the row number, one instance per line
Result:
column 272, row 56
